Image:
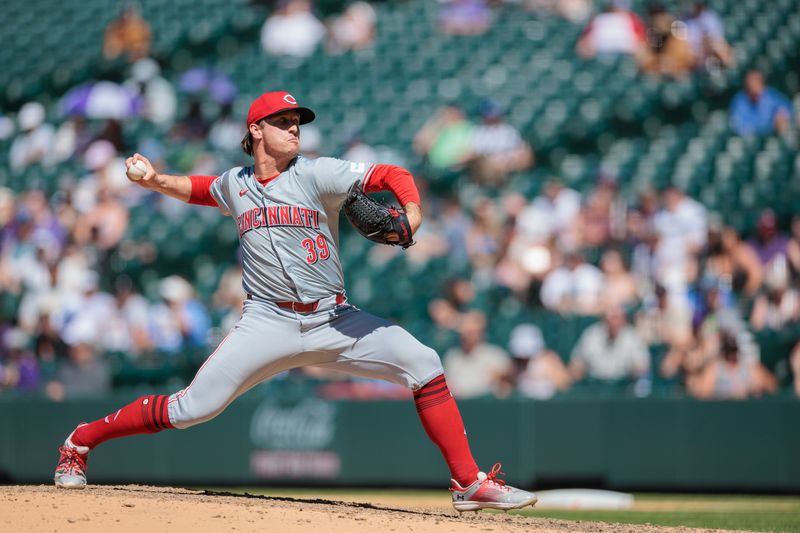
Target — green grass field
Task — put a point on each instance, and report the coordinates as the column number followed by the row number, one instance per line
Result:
column 746, row 513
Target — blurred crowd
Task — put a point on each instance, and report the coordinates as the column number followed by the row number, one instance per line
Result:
column 673, row 294
column 678, row 295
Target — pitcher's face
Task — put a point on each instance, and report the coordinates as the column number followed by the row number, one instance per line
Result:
column 279, row 133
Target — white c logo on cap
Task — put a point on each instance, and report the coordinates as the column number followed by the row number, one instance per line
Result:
column 289, row 98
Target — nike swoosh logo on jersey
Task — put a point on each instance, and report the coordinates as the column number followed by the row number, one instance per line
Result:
column 242, row 192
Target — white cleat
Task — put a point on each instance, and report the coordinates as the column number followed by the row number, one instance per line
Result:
column 488, row 492
column 71, row 468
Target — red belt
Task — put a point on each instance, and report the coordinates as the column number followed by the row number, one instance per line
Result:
column 300, row 307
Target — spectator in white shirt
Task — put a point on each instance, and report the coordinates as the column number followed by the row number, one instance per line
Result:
column 226, row 130
column 610, row 350
column 617, row 30
column 551, row 213
column 476, row 368
column 292, row 31
column 706, row 35
column 682, row 229
column 159, row 103
column 34, row 142
column 576, row 287
column 354, row 29
column 127, row 327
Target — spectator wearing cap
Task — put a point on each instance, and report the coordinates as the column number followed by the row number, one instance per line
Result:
column 497, row 147
column 538, row 372
column 610, row 350
column 292, row 30
column 476, row 368
column 34, row 142
column 758, row 109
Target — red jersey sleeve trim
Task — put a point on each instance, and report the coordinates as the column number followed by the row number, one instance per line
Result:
column 201, row 190
column 367, row 176
column 392, row 178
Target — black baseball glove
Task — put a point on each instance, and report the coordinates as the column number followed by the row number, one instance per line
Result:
column 375, row 221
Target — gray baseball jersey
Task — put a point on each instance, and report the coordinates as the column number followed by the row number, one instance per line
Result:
column 289, row 233
column 289, row 228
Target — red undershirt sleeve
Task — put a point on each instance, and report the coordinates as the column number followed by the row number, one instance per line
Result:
column 392, row 178
column 201, row 190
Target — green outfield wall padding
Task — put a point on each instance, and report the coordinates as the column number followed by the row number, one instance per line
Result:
column 626, row 443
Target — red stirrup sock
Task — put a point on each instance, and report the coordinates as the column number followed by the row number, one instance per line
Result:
column 147, row 414
column 439, row 415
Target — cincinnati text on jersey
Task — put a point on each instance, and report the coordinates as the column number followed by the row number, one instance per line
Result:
column 276, row 216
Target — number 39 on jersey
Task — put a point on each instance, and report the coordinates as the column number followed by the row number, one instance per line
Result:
column 316, row 249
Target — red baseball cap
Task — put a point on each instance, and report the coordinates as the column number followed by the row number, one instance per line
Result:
column 270, row 103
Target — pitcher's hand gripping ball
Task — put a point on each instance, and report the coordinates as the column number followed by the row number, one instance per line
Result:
column 137, row 170
column 375, row 221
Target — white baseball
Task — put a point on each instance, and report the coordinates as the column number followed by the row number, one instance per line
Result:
column 137, row 170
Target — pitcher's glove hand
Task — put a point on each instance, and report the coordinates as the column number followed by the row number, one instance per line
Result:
column 375, row 221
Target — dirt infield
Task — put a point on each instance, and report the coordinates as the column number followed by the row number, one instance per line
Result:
column 134, row 508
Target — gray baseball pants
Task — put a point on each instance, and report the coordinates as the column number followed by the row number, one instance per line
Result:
column 268, row 340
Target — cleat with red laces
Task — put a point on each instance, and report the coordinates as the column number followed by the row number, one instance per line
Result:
column 489, row 492
column 71, row 468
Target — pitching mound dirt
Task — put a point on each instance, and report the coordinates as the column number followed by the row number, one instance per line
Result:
column 134, row 509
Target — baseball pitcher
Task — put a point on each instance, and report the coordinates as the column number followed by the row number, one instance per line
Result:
column 286, row 209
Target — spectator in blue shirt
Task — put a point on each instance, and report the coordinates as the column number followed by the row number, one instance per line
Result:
column 758, row 109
